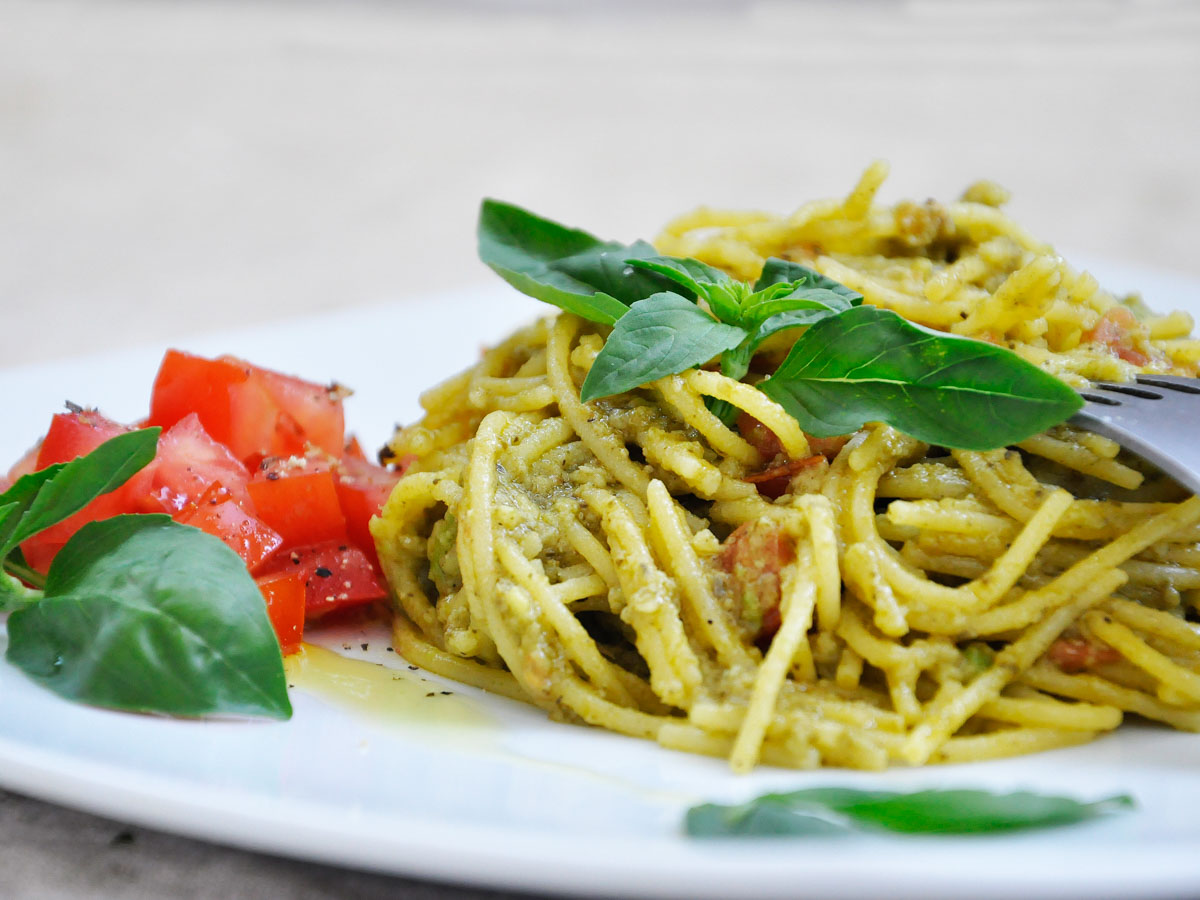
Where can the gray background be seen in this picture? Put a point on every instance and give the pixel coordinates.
(176, 167)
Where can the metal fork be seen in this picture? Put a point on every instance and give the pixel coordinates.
(1157, 417)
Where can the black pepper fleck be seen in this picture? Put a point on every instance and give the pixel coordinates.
(364, 645)
(323, 572)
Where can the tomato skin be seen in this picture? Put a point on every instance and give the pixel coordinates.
(284, 595)
(189, 462)
(301, 505)
(335, 575)
(218, 514)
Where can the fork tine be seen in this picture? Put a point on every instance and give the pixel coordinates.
(1171, 382)
(1154, 418)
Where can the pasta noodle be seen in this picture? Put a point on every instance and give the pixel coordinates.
(894, 604)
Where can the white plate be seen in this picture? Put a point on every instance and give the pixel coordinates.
(471, 788)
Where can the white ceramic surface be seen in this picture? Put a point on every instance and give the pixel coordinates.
(485, 791)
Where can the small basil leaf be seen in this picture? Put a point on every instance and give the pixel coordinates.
(921, 812)
(972, 812)
(565, 267)
(17, 499)
(144, 614)
(870, 365)
(793, 319)
(56, 492)
(661, 335)
(777, 270)
(799, 299)
(721, 291)
(710, 820)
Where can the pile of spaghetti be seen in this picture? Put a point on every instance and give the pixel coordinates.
(635, 564)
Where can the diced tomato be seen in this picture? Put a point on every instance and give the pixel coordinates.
(362, 490)
(773, 482)
(1076, 654)
(71, 435)
(300, 503)
(284, 593)
(759, 436)
(1117, 330)
(253, 411)
(314, 409)
(189, 462)
(336, 576)
(74, 434)
(188, 384)
(219, 514)
(765, 441)
(754, 555)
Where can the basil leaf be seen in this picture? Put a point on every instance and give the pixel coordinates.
(15, 502)
(793, 319)
(722, 292)
(565, 267)
(802, 298)
(776, 271)
(661, 335)
(869, 364)
(47, 497)
(830, 810)
(144, 614)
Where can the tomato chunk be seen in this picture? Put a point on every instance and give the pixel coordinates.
(314, 410)
(284, 594)
(336, 576)
(253, 411)
(189, 462)
(188, 384)
(1076, 654)
(74, 434)
(753, 556)
(217, 513)
(301, 505)
(362, 490)
(773, 482)
(1118, 330)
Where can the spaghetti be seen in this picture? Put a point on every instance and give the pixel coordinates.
(749, 592)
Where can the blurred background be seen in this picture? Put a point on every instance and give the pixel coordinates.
(176, 167)
(169, 169)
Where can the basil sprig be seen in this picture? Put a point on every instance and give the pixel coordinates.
(821, 811)
(852, 364)
(137, 612)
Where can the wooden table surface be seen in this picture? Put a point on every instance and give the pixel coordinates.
(172, 168)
